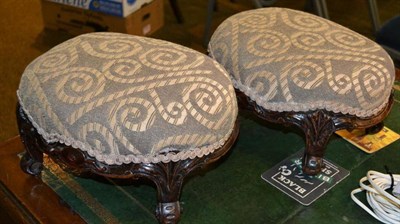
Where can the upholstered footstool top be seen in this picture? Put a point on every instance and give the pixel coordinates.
(288, 60)
(127, 99)
(294, 68)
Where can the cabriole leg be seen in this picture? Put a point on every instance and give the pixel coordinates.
(169, 186)
(318, 128)
(314, 153)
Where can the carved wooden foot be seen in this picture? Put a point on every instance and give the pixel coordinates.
(32, 160)
(374, 129)
(313, 164)
(169, 178)
(318, 127)
(169, 186)
(168, 213)
(30, 165)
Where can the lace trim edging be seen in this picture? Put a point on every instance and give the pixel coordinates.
(126, 159)
(297, 107)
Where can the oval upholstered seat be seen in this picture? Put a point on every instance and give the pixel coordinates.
(288, 60)
(124, 99)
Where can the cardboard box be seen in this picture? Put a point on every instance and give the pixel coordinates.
(121, 8)
(75, 21)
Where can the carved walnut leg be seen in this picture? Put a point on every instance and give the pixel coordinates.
(169, 188)
(318, 128)
(314, 153)
(32, 160)
(169, 178)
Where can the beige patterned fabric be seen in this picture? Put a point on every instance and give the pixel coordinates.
(124, 99)
(288, 60)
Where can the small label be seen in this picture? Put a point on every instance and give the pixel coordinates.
(288, 177)
(369, 143)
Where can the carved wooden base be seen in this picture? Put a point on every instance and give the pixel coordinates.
(168, 177)
(317, 125)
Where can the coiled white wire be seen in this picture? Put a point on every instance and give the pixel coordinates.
(386, 207)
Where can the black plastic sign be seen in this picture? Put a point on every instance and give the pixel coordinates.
(288, 177)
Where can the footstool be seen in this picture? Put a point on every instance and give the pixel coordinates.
(123, 106)
(294, 68)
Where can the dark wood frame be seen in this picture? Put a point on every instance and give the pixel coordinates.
(168, 177)
(317, 125)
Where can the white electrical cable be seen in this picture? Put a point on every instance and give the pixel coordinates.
(385, 207)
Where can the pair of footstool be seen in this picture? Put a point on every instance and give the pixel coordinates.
(124, 106)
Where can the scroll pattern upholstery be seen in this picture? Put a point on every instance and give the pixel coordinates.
(127, 99)
(288, 60)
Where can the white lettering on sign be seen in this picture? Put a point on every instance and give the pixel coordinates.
(285, 171)
(291, 184)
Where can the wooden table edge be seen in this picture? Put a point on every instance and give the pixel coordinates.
(26, 198)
